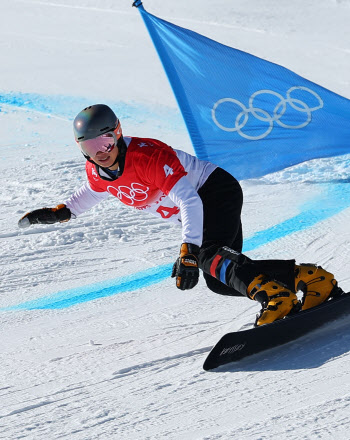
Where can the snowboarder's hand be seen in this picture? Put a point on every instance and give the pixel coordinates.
(185, 269)
(45, 216)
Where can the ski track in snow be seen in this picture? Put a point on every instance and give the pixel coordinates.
(124, 360)
(178, 397)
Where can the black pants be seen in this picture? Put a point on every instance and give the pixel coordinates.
(226, 270)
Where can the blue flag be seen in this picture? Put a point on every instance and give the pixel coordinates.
(247, 115)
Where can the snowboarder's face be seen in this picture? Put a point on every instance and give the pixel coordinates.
(106, 159)
(103, 149)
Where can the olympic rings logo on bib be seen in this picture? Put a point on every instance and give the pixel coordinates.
(127, 195)
(264, 116)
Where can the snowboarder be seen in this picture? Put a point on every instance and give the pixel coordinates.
(149, 175)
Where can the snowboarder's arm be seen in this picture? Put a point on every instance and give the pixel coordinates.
(167, 173)
(187, 199)
(84, 199)
(185, 269)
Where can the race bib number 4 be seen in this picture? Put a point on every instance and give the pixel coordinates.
(166, 212)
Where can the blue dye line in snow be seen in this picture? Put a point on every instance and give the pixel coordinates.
(71, 297)
(333, 199)
(59, 105)
(69, 106)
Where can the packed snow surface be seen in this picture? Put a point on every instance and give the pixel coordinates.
(96, 341)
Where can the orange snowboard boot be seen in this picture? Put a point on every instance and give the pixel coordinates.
(316, 284)
(276, 300)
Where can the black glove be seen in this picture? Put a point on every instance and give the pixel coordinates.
(45, 216)
(185, 268)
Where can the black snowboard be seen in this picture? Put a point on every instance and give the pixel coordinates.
(237, 345)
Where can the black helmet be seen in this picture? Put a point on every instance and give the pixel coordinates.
(94, 121)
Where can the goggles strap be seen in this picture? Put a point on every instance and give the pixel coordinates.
(121, 155)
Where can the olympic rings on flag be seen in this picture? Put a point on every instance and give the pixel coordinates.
(265, 116)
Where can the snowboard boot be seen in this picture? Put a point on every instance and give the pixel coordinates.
(316, 284)
(276, 300)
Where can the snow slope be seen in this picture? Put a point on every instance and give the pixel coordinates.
(96, 341)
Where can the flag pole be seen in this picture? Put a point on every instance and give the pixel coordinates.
(181, 98)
